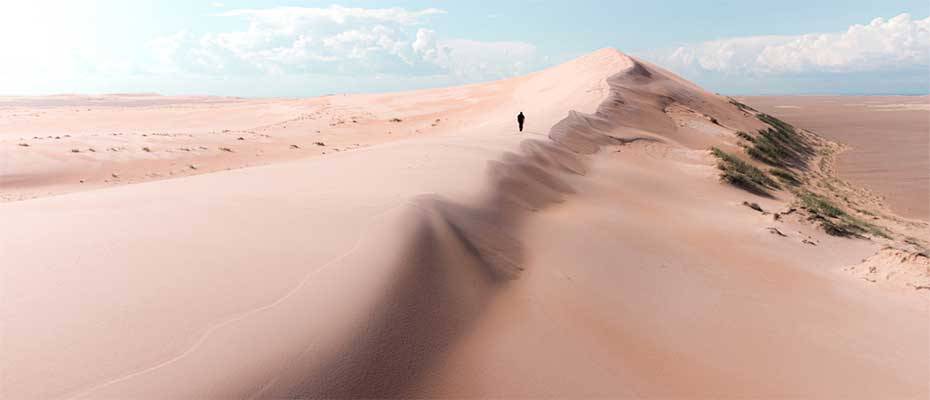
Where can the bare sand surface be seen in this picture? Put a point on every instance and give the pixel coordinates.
(445, 255)
(888, 139)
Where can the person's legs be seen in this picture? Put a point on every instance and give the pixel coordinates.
(521, 126)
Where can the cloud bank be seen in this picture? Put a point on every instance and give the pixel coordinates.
(899, 45)
(302, 51)
(295, 41)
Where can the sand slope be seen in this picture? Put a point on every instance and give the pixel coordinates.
(596, 255)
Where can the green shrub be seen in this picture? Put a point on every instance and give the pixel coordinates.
(741, 106)
(821, 206)
(775, 122)
(834, 220)
(745, 136)
(742, 174)
(785, 176)
(781, 145)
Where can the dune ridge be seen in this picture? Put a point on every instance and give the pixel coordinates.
(588, 264)
(485, 233)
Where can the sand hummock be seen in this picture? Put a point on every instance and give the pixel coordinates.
(416, 245)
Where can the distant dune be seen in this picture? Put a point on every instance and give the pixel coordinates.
(417, 245)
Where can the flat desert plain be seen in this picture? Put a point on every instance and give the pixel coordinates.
(642, 238)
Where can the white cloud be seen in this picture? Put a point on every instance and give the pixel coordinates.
(897, 43)
(165, 50)
(474, 60)
(425, 43)
(470, 60)
(294, 17)
(338, 40)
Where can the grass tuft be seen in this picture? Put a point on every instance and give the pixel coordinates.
(742, 174)
(741, 106)
(745, 136)
(785, 176)
(779, 146)
(834, 220)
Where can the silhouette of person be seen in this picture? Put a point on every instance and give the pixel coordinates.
(520, 119)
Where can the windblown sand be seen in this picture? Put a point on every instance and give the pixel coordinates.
(888, 139)
(426, 249)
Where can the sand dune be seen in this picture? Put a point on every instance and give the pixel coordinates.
(595, 255)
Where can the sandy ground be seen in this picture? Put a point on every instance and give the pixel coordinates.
(445, 255)
(888, 139)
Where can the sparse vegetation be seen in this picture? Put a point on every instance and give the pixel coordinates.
(834, 220)
(817, 204)
(779, 146)
(775, 122)
(745, 136)
(741, 106)
(785, 176)
(787, 150)
(742, 174)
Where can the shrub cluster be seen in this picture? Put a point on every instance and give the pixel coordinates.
(743, 174)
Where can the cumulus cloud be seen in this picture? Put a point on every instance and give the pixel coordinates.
(341, 41)
(425, 43)
(474, 60)
(900, 42)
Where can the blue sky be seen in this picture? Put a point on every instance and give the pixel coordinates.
(306, 48)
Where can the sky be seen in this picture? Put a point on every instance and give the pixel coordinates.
(295, 48)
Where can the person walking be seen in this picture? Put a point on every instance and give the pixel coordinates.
(520, 119)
